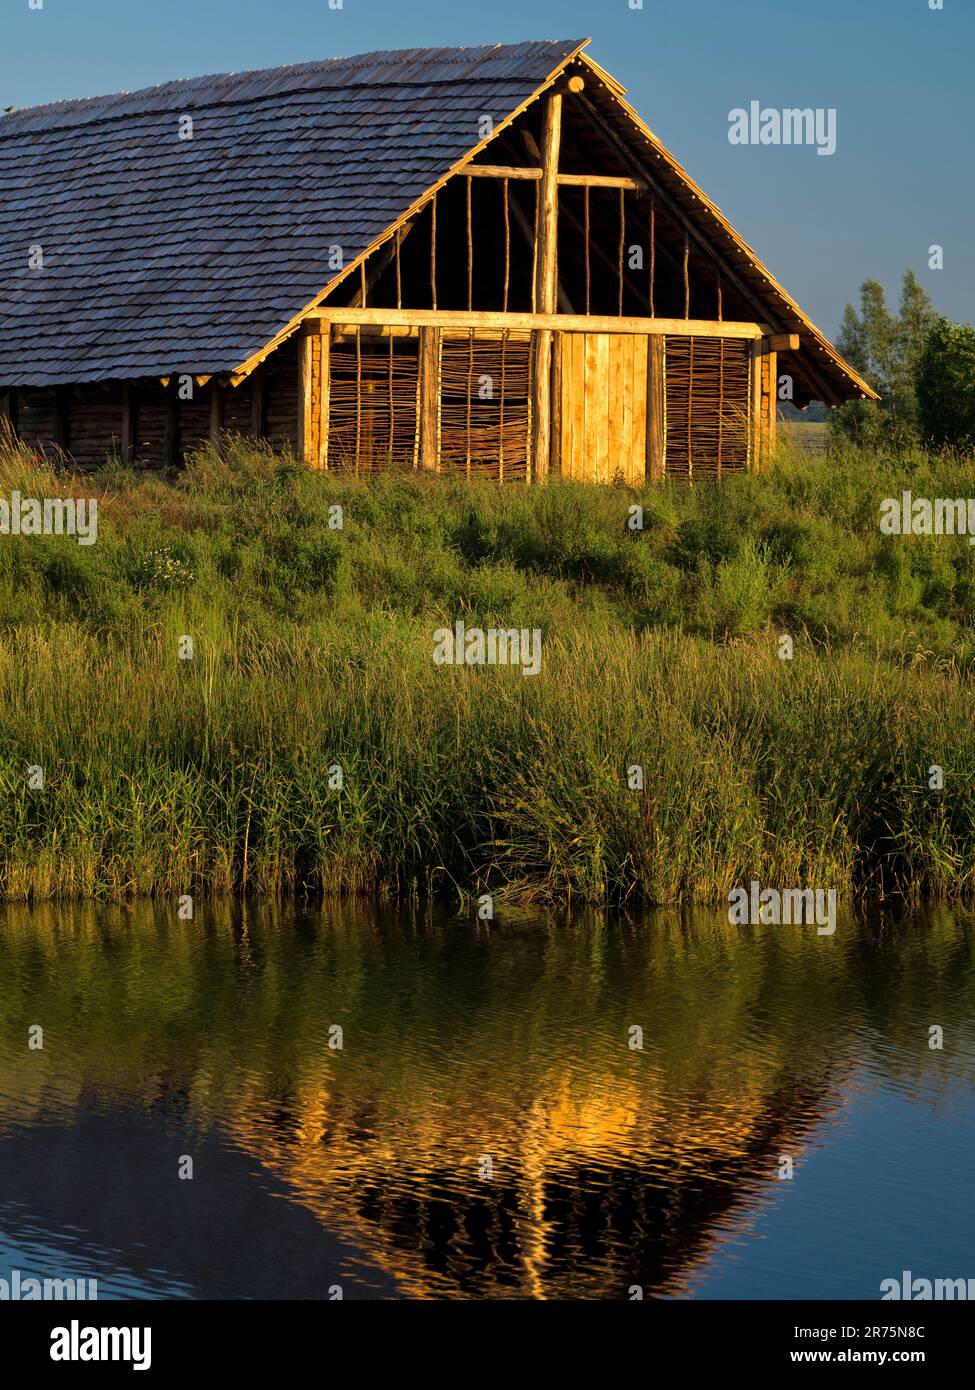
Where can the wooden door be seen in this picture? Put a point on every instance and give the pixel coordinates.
(601, 403)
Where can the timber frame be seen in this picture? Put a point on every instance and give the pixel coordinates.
(555, 333)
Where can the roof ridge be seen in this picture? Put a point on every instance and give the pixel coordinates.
(218, 85)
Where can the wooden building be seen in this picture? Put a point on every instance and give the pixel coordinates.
(475, 261)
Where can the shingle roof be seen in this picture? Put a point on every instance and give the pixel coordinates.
(163, 255)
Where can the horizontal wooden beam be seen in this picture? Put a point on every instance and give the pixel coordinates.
(784, 342)
(501, 171)
(517, 171)
(601, 181)
(316, 319)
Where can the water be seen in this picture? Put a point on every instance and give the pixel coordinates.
(485, 1130)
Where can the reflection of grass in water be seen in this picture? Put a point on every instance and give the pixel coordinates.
(313, 647)
(432, 1019)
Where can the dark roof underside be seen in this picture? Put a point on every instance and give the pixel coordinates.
(164, 255)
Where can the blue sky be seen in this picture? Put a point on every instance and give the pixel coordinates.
(898, 74)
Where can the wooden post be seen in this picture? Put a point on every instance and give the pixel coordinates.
(545, 287)
(216, 411)
(258, 402)
(547, 263)
(305, 452)
(129, 421)
(62, 417)
(656, 407)
(430, 399)
(171, 440)
(323, 395)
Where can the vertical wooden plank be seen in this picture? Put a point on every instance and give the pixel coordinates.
(625, 462)
(597, 392)
(217, 402)
(430, 398)
(687, 279)
(638, 434)
(324, 394)
(555, 461)
(576, 399)
(615, 368)
(258, 402)
(656, 407)
(588, 462)
(171, 440)
(621, 369)
(127, 443)
(584, 465)
(305, 451)
(546, 282)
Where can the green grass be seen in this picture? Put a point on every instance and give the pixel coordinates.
(313, 649)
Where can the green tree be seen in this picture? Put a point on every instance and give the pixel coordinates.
(946, 385)
(885, 349)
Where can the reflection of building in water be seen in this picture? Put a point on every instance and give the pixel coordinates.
(584, 1201)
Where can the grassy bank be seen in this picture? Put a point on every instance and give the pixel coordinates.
(312, 648)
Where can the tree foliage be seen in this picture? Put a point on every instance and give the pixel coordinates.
(885, 348)
(946, 385)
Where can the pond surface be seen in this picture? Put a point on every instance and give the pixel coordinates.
(486, 1129)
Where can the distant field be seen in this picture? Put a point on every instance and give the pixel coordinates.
(810, 436)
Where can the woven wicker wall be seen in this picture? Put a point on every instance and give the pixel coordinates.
(707, 384)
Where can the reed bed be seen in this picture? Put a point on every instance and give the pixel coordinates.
(312, 652)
